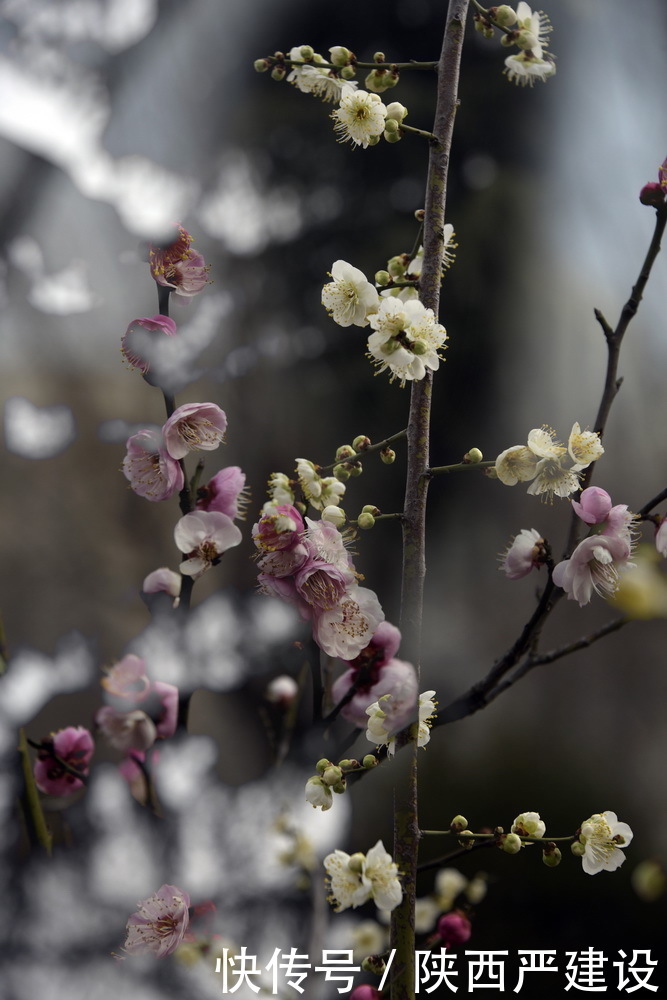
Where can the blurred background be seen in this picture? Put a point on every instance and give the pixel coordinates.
(121, 117)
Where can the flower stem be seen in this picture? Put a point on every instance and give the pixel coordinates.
(438, 470)
(406, 829)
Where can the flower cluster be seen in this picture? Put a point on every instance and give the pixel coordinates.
(160, 923)
(353, 880)
(392, 712)
(319, 491)
(325, 82)
(597, 561)
(375, 672)
(60, 758)
(178, 267)
(551, 469)
(527, 30)
(405, 268)
(139, 710)
(332, 777)
(308, 566)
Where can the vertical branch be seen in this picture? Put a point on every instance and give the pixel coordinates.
(406, 828)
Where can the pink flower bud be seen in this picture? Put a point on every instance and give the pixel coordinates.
(593, 505)
(73, 746)
(365, 992)
(652, 194)
(454, 929)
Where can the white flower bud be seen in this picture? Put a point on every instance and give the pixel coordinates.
(332, 775)
(356, 862)
(340, 56)
(307, 52)
(505, 16)
(334, 515)
(396, 111)
(365, 521)
(318, 794)
(473, 456)
(458, 823)
(511, 843)
(345, 451)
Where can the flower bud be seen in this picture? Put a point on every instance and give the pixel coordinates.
(373, 140)
(348, 764)
(322, 765)
(365, 992)
(318, 793)
(348, 72)
(375, 964)
(419, 346)
(370, 760)
(356, 862)
(551, 856)
(365, 521)
(356, 468)
(340, 56)
(483, 26)
(339, 787)
(332, 775)
(375, 81)
(652, 194)
(420, 214)
(509, 39)
(345, 451)
(370, 508)
(526, 40)
(388, 456)
(382, 277)
(396, 111)
(278, 73)
(392, 136)
(379, 57)
(466, 838)
(473, 456)
(454, 929)
(397, 265)
(307, 52)
(341, 473)
(458, 823)
(578, 849)
(282, 690)
(391, 125)
(511, 843)
(261, 65)
(648, 880)
(361, 442)
(334, 515)
(503, 15)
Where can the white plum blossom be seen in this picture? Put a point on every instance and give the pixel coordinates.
(525, 553)
(524, 69)
(350, 297)
(407, 339)
(203, 537)
(346, 629)
(529, 824)
(517, 464)
(603, 837)
(318, 793)
(360, 119)
(353, 880)
(534, 22)
(318, 80)
(392, 712)
(584, 446)
(544, 462)
(309, 481)
(332, 491)
(449, 882)
(533, 62)
(279, 489)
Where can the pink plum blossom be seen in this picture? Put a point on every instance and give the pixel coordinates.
(151, 471)
(127, 679)
(526, 552)
(73, 746)
(178, 266)
(159, 925)
(224, 492)
(126, 730)
(320, 584)
(194, 427)
(129, 688)
(661, 538)
(279, 527)
(395, 676)
(282, 690)
(139, 337)
(593, 505)
(284, 589)
(594, 565)
(347, 628)
(163, 580)
(203, 537)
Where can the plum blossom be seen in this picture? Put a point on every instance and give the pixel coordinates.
(140, 334)
(529, 824)
(593, 505)
(129, 688)
(319, 793)
(321, 81)
(353, 880)
(392, 712)
(407, 339)
(151, 471)
(345, 629)
(279, 489)
(224, 493)
(320, 584)
(533, 62)
(524, 69)
(593, 566)
(661, 538)
(73, 746)
(360, 119)
(603, 837)
(372, 675)
(126, 730)
(178, 266)
(544, 462)
(160, 924)
(526, 552)
(163, 580)
(194, 427)
(203, 537)
(279, 527)
(584, 446)
(350, 297)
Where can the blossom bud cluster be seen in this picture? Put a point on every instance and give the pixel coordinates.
(387, 716)
(551, 469)
(308, 565)
(527, 30)
(331, 778)
(404, 267)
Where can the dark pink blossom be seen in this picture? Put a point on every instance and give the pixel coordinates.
(454, 929)
(139, 337)
(224, 492)
(280, 527)
(178, 266)
(365, 992)
(159, 925)
(194, 427)
(320, 584)
(151, 471)
(73, 746)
